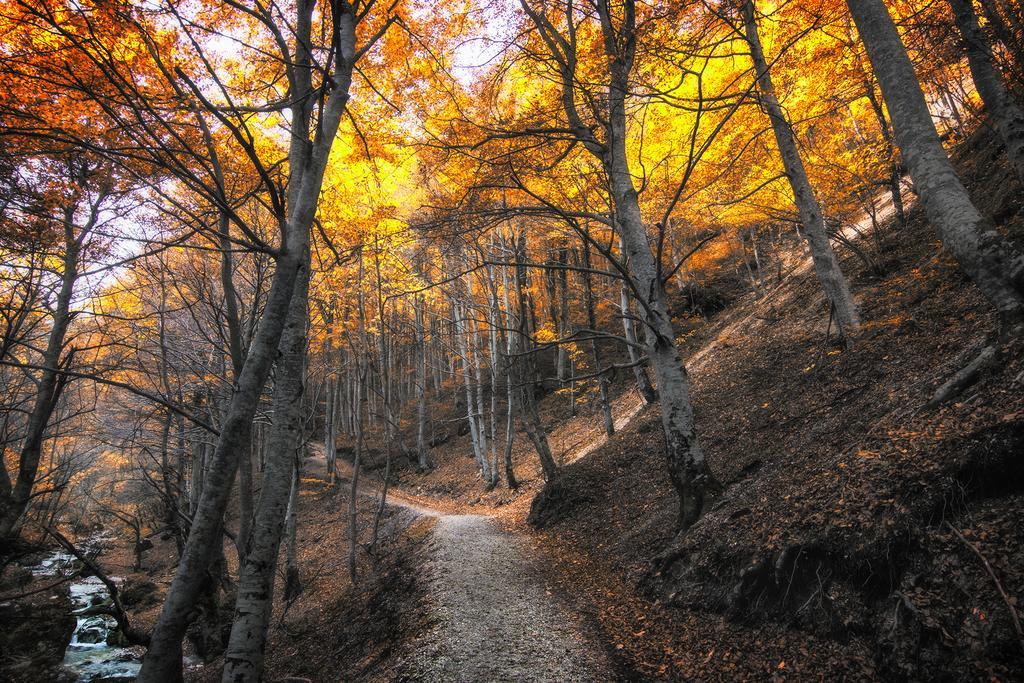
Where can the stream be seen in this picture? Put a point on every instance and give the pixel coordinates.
(88, 655)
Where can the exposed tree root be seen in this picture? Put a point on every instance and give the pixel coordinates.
(965, 377)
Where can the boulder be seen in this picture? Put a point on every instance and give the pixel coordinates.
(138, 593)
(34, 636)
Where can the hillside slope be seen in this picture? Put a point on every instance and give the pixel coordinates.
(860, 532)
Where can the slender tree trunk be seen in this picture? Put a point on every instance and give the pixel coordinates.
(246, 502)
(836, 288)
(987, 258)
(511, 349)
(357, 461)
(1002, 30)
(292, 580)
(167, 483)
(462, 333)
(527, 400)
(493, 323)
(330, 420)
(687, 468)
(643, 382)
(1005, 113)
(895, 172)
(382, 503)
(565, 329)
(595, 349)
(422, 457)
(49, 385)
(481, 414)
(362, 370)
(243, 660)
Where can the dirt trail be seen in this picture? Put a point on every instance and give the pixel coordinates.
(495, 617)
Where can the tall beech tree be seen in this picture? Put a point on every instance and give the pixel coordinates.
(1004, 110)
(984, 254)
(833, 282)
(558, 27)
(316, 97)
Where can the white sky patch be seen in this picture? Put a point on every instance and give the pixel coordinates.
(497, 20)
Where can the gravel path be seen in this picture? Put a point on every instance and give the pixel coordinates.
(495, 618)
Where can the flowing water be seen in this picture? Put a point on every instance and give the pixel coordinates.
(88, 655)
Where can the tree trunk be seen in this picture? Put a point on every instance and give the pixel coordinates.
(167, 484)
(331, 383)
(510, 380)
(1005, 113)
(493, 323)
(836, 288)
(49, 386)
(1002, 30)
(163, 659)
(982, 252)
(162, 663)
(643, 383)
(292, 581)
(359, 386)
(595, 349)
(687, 467)
(481, 414)
(527, 399)
(479, 450)
(246, 503)
(243, 660)
(565, 329)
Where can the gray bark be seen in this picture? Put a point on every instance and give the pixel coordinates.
(461, 333)
(481, 421)
(330, 417)
(687, 468)
(643, 383)
(243, 660)
(307, 162)
(895, 173)
(595, 350)
(1004, 111)
(292, 583)
(834, 284)
(984, 255)
(564, 330)
(493, 323)
(359, 385)
(422, 459)
(525, 379)
(1004, 33)
(511, 349)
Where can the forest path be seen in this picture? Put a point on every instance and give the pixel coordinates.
(496, 617)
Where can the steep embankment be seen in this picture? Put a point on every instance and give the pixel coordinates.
(862, 532)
